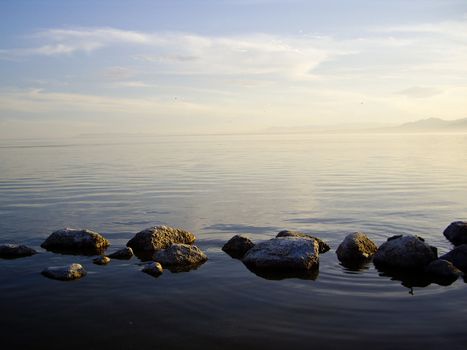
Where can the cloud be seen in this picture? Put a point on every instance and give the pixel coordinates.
(420, 92)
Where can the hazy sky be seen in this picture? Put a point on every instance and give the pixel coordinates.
(71, 67)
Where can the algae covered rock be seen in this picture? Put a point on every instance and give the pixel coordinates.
(65, 273)
(13, 251)
(356, 248)
(180, 257)
(284, 254)
(322, 246)
(237, 246)
(122, 254)
(456, 232)
(101, 260)
(159, 237)
(74, 241)
(153, 268)
(404, 252)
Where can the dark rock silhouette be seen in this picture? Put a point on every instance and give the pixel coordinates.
(76, 241)
(356, 249)
(456, 232)
(122, 254)
(13, 251)
(237, 246)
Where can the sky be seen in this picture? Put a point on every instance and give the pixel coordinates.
(161, 67)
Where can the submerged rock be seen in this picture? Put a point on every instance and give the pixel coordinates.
(159, 237)
(237, 246)
(443, 272)
(458, 257)
(122, 254)
(180, 257)
(284, 254)
(153, 268)
(456, 232)
(65, 273)
(404, 252)
(12, 251)
(101, 260)
(356, 249)
(69, 240)
(323, 246)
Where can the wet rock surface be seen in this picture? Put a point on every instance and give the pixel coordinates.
(75, 241)
(101, 260)
(180, 257)
(122, 254)
(442, 272)
(65, 273)
(153, 268)
(356, 249)
(322, 246)
(237, 246)
(159, 237)
(404, 253)
(283, 254)
(13, 251)
(458, 257)
(456, 232)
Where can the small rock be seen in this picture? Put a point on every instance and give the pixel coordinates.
(323, 246)
(71, 240)
(456, 232)
(458, 257)
(65, 273)
(12, 251)
(180, 257)
(122, 254)
(443, 272)
(101, 260)
(356, 248)
(404, 252)
(159, 237)
(153, 268)
(284, 253)
(237, 246)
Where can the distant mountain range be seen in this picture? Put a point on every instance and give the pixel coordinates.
(433, 124)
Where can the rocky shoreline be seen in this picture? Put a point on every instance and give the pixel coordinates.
(289, 254)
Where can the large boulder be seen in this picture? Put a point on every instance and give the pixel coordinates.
(122, 254)
(404, 253)
(75, 241)
(356, 249)
(458, 257)
(284, 254)
(180, 257)
(322, 246)
(153, 268)
(443, 272)
(13, 251)
(159, 237)
(237, 246)
(65, 273)
(456, 232)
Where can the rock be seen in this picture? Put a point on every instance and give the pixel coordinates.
(404, 252)
(284, 254)
(101, 260)
(159, 237)
(456, 232)
(458, 257)
(237, 246)
(12, 251)
(443, 272)
(355, 249)
(75, 241)
(153, 268)
(180, 257)
(65, 273)
(122, 254)
(323, 247)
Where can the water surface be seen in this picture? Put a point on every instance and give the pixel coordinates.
(218, 186)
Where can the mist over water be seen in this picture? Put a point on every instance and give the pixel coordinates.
(218, 186)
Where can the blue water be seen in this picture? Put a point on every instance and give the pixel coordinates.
(218, 186)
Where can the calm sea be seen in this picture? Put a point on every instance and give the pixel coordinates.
(218, 186)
